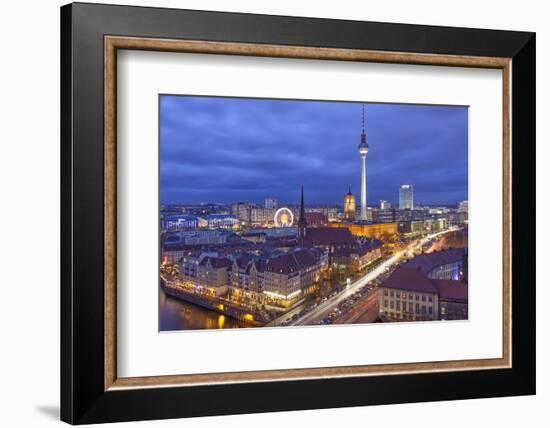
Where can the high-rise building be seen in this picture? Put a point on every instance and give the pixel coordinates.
(349, 206)
(271, 203)
(406, 197)
(385, 205)
(363, 150)
(463, 207)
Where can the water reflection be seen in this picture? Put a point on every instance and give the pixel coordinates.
(176, 314)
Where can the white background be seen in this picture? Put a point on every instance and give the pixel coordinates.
(142, 351)
(29, 173)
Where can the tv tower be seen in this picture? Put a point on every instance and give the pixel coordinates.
(363, 150)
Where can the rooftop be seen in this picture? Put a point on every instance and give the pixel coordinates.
(413, 279)
(329, 236)
(429, 261)
(409, 279)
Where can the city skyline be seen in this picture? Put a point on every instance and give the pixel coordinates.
(224, 150)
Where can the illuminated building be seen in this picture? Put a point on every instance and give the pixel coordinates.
(385, 205)
(212, 273)
(446, 264)
(463, 207)
(411, 229)
(175, 244)
(222, 221)
(286, 277)
(366, 251)
(375, 230)
(408, 294)
(280, 279)
(406, 197)
(271, 203)
(363, 150)
(316, 219)
(383, 216)
(349, 206)
(243, 211)
(262, 216)
(179, 222)
(435, 224)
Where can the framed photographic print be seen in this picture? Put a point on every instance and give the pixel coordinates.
(265, 213)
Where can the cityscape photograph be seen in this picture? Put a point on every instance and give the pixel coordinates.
(285, 213)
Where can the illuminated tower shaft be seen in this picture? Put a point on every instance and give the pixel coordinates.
(363, 186)
(363, 150)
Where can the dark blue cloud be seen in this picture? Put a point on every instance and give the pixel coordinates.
(233, 149)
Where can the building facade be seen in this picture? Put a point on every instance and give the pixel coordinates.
(374, 230)
(384, 216)
(411, 229)
(262, 216)
(243, 211)
(410, 295)
(271, 203)
(222, 221)
(212, 274)
(179, 222)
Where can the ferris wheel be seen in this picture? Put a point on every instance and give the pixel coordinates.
(283, 217)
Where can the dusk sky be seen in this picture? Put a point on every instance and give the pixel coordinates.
(226, 150)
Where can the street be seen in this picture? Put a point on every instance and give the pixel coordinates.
(327, 306)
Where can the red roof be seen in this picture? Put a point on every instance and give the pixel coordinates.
(410, 279)
(290, 262)
(413, 279)
(329, 236)
(452, 290)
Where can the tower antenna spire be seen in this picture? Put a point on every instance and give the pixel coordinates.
(363, 119)
(363, 135)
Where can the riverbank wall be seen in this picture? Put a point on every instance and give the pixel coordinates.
(253, 318)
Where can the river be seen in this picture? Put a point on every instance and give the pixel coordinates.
(176, 314)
